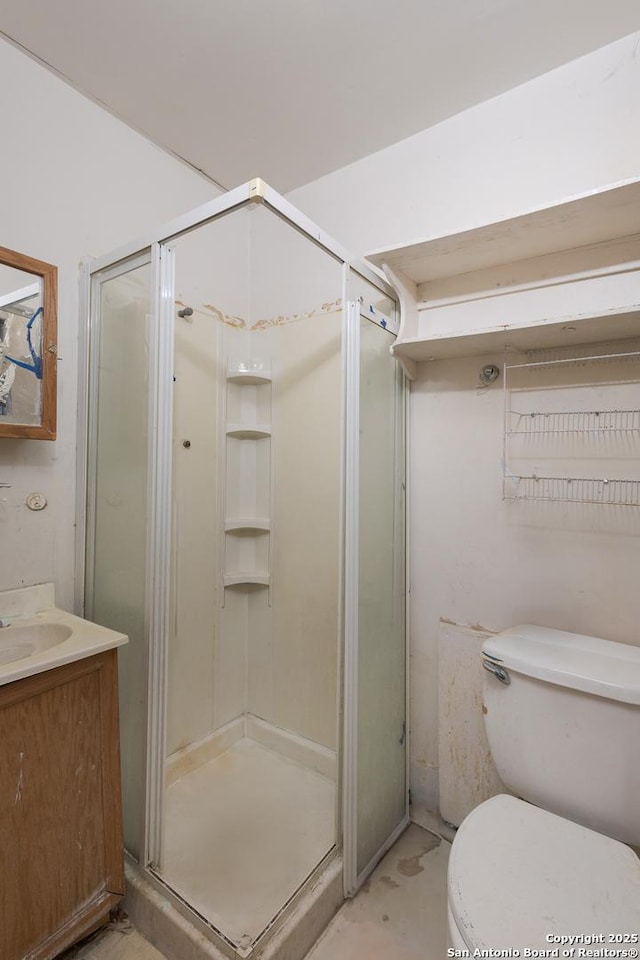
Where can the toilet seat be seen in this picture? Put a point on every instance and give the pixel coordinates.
(519, 876)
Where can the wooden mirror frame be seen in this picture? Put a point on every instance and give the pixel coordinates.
(46, 429)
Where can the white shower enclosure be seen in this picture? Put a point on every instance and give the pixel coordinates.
(245, 517)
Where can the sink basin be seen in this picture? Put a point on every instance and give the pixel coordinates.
(23, 640)
(42, 637)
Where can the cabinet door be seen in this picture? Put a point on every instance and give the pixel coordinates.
(61, 866)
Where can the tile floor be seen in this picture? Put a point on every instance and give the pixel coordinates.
(400, 914)
(242, 832)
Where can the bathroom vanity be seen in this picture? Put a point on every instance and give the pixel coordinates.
(60, 807)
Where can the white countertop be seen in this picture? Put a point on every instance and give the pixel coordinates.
(86, 639)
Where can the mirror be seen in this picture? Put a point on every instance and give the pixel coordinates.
(28, 349)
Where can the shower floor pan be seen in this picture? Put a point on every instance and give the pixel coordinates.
(242, 833)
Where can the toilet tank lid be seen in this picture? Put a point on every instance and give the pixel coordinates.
(595, 666)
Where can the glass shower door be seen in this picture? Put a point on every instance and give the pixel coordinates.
(376, 801)
(117, 503)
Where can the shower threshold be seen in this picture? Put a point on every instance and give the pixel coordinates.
(164, 919)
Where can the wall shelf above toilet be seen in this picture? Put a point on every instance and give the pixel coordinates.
(570, 329)
(573, 453)
(586, 220)
(551, 277)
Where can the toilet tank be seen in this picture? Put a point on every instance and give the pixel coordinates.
(562, 714)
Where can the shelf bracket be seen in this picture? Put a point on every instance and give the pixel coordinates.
(408, 300)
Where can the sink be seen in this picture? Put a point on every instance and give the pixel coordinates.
(41, 636)
(23, 640)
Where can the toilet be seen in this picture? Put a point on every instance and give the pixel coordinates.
(550, 869)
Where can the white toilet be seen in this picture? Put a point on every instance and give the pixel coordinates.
(562, 714)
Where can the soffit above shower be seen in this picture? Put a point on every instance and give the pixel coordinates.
(295, 90)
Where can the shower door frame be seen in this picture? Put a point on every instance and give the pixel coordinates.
(156, 248)
(354, 312)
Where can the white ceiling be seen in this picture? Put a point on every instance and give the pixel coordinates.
(290, 90)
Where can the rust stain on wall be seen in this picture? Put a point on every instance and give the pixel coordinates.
(281, 320)
(239, 323)
(227, 319)
(477, 627)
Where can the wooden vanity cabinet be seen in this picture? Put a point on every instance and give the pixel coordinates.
(61, 854)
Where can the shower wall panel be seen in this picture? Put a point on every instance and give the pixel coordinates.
(296, 322)
(293, 645)
(261, 295)
(207, 666)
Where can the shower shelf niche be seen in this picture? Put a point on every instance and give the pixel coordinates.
(247, 496)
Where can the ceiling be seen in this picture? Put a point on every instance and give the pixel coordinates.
(290, 90)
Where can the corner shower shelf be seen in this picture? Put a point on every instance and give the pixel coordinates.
(239, 579)
(247, 527)
(246, 542)
(248, 379)
(249, 432)
(249, 374)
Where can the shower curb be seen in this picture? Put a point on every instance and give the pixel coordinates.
(175, 936)
(308, 920)
(161, 924)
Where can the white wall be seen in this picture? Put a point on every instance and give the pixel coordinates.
(473, 560)
(481, 561)
(75, 183)
(574, 129)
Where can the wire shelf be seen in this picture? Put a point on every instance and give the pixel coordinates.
(624, 493)
(615, 350)
(620, 426)
(574, 421)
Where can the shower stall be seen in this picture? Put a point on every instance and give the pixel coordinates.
(244, 478)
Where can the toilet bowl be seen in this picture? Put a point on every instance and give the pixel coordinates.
(562, 713)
